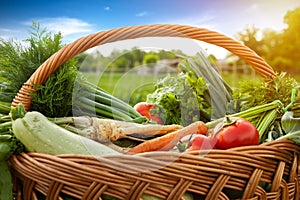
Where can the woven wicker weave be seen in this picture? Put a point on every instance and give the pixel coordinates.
(167, 175)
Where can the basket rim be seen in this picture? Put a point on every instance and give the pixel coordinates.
(224, 174)
(132, 32)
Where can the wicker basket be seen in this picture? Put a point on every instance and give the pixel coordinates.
(167, 175)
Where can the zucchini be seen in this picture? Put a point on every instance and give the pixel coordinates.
(38, 134)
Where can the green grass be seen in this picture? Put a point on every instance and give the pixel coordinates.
(133, 88)
(234, 79)
(129, 87)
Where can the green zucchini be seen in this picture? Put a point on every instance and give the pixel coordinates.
(38, 134)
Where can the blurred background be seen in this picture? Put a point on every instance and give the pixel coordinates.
(269, 27)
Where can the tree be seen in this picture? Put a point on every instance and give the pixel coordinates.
(250, 37)
(280, 49)
(163, 54)
(291, 37)
(121, 63)
(138, 55)
(150, 59)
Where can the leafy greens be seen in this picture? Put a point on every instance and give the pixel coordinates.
(179, 101)
(197, 93)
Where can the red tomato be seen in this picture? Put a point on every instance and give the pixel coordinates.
(237, 132)
(202, 142)
(157, 119)
(144, 109)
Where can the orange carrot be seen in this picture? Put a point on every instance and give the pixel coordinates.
(168, 141)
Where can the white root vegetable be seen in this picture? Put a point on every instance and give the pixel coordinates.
(103, 130)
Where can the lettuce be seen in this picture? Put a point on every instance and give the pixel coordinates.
(182, 99)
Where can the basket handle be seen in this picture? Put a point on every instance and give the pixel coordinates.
(156, 30)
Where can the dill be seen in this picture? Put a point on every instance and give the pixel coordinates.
(19, 61)
(251, 93)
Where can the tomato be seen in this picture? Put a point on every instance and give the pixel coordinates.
(157, 119)
(202, 142)
(144, 109)
(236, 132)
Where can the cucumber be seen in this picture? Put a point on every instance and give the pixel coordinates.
(38, 134)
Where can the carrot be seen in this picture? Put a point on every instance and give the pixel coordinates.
(168, 141)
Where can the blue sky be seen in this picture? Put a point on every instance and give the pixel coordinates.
(78, 18)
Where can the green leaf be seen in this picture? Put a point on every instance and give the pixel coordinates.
(291, 126)
(289, 123)
(182, 98)
(18, 112)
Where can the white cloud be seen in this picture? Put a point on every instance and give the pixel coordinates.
(8, 30)
(107, 8)
(252, 8)
(70, 28)
(7, 33)
(65, 25)
(203, 22)
(266, 14)
(207, 21)
(142, 14)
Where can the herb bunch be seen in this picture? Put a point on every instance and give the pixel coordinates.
(60, 95)
(251, 93)
(18, 62)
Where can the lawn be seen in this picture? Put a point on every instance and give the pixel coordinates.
(132, 87)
